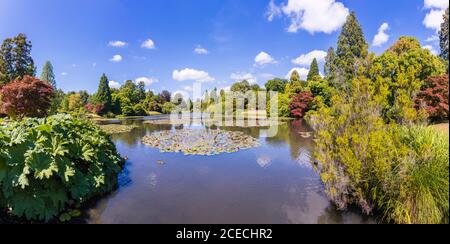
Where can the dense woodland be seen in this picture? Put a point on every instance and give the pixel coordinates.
(370, 114)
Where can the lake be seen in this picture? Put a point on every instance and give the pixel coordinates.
(274, 183)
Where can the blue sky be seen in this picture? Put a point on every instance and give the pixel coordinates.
(214, 42)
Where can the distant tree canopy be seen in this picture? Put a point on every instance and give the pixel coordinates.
(443, 37)
(26, 97)
(398, 75)
(243, 86)
(434, 98)
(313, 70)
(103, 95)
(295, 77)
(301, 104)
(48, 75)
(15, 59)
(329, 67)
(351, 48)
(277, 85)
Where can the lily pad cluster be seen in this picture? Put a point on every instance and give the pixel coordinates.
(117, 128)
(200, 141)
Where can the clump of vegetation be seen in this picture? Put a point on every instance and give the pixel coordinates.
(370, 150)
(116, 128)
(200, 142)
(50, 164)
(434, 98)
(26, 97)
(401, 171)
(301, 104)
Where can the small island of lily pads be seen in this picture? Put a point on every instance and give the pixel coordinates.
(117, 128)
(201, 142)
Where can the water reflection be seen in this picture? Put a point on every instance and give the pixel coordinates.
(273, 183)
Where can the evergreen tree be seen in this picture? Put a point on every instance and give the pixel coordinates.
(206, 97)
(104, 94)
(352, 48)
(15, 59)
(443, 36)
(6, 62)
(329, 67)
(48, 75)
(213, 96)
(140, 91)
(295, 77)
(313, 70)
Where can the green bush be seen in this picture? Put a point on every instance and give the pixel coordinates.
(47, 165)
(400, 171)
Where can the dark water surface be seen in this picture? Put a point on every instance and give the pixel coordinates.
(271, 184)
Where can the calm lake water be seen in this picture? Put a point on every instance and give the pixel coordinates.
(271, 184)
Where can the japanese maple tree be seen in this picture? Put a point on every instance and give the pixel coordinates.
(434, 97)
(26, 97)
(301, 103)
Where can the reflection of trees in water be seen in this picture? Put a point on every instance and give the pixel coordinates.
(133, 137)
(290, 133)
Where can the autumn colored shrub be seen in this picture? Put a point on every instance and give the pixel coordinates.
(95, 108)
(301, 103)
(434, 97)
(27, 97)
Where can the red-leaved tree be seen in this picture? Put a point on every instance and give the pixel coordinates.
(301, 103)
(95, 108)
(434, 97)
(27, 97)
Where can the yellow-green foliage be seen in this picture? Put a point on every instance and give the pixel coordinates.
(398, 75)
(364, 161)
(48, 164)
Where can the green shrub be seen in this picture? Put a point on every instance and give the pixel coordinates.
(49, 164)
(400, 171)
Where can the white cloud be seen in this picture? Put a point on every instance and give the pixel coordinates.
(94, 65)
(116, 58)
(188, 88)
(191, 74)
(303, 72)
(149, 44)
(433, 38)
(431, 48)
(64, 74)
(114, 84)
(148, 81)
(313, 16)
(306, 59)
(440, 4)
(434, 17)
(264, 58)
(272, 11)
(117, 44)
(381, 37)
(240, 76)
(200, 50)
